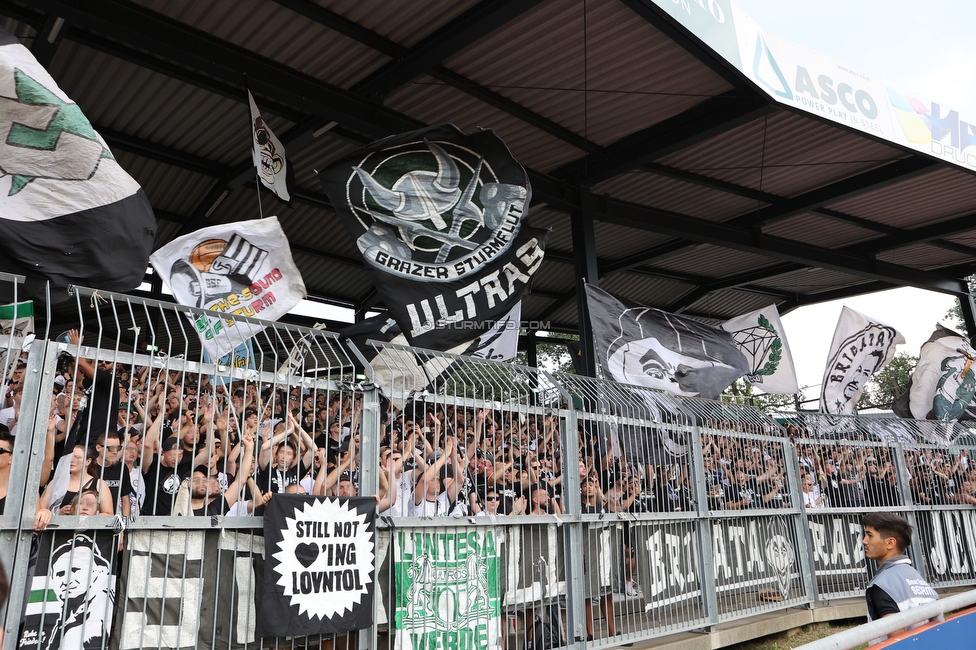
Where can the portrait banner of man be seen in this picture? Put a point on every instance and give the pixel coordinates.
(861, 347)
(72, 592)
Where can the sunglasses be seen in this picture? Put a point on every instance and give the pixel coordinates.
(112, 447)
(491, 498)
(5, 451)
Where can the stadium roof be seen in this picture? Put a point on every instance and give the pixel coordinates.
(662, 166)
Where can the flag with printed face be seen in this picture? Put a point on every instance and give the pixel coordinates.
(269, 155)
(861, 347)
(944, 382)
(439, 218)
(69, 214)
(761, 338)
(242, 268)
(652, 348)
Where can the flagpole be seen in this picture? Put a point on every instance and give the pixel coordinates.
(257, 182)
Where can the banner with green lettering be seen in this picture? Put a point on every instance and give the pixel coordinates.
(448, 589)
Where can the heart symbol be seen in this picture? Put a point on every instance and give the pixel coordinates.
(306, 553)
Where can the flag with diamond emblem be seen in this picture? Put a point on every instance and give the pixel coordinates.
(761, 339)
(68, 212)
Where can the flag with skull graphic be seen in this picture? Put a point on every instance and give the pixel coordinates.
(268, 153)
(438, 217)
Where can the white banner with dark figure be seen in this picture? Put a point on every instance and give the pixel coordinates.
(652, 348)
(439, 218)
(944, 382)
(242, 268)
(274, 172)
(318, 577)
(761, 338)
(71, 598)
(861, 347)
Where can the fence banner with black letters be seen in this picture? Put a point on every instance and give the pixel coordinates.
(438, 216)
(318, 575)
(757, 553)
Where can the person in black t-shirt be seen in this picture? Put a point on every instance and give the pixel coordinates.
(113, 471)
(163, 479)
(205, 495)
(742, 493)
(101, 412)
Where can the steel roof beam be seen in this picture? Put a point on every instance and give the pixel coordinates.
(948, 228)
(834, 294)
(874, 179)
(735, 237)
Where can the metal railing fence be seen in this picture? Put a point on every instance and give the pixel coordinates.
(515, 505)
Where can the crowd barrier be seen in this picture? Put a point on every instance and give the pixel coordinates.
(531, 506)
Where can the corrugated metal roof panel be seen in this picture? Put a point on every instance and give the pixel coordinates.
(323, 277)
(321, 153)
(168, 188)
(134, 100)
(713, 261)
(818, 230)
(653, 292)
(613, 241)
(432, 102)
(924, 199)
(923, 256)
(812, 280)
(729, 303)
(675, 195)
(279, 34)
(634, 75)
(785, 154)
(403, 22)
(560, 234)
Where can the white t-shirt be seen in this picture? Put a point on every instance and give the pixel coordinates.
(404, 501)
(440, 507)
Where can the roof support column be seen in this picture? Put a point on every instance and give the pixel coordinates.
(584, 259)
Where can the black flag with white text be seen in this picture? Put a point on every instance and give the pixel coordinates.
(438, 217)
(318, 571)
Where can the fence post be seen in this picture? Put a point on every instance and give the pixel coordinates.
(576, 623)
(369, 484)
(802, 525)
(25, 472)
(704, 520)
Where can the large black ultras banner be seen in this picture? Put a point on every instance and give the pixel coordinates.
(438, 217)
(318, 572)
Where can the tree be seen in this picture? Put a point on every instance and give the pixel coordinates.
(744, 393)
(954, 317)
(886, 386)
(552, 357)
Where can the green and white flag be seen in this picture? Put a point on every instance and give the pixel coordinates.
(69, 214)
(448, 589)
(761, 338)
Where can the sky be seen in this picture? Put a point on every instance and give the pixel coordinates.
(918, 45)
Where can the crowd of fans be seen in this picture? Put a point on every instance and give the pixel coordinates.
(151, 441)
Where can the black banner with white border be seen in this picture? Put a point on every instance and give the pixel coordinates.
(318, 575)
